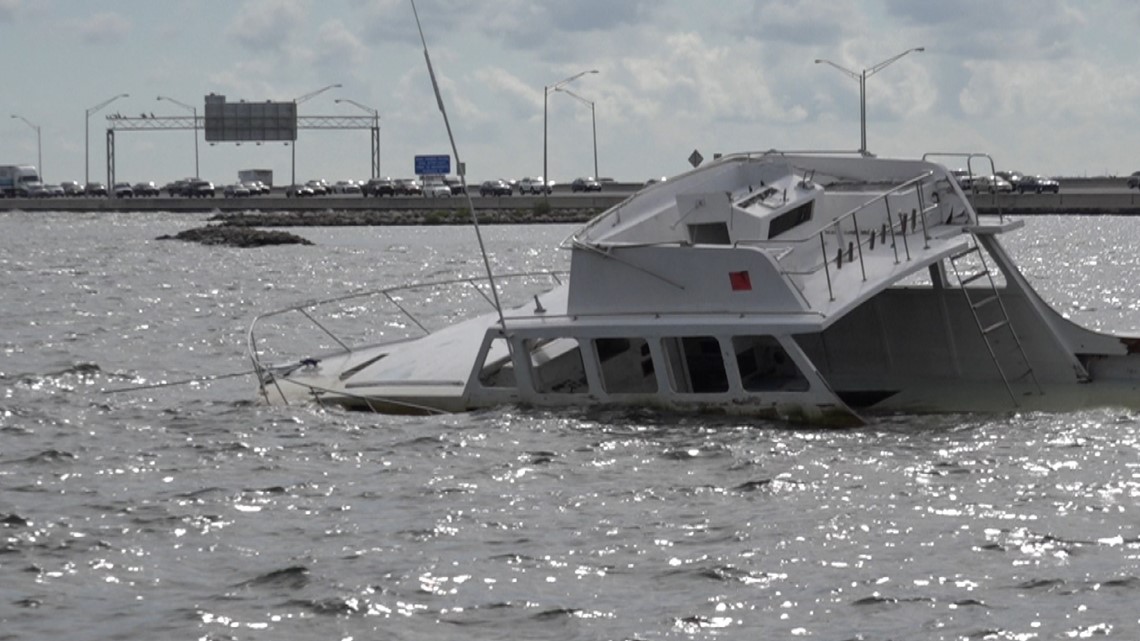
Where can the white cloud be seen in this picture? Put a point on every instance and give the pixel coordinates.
(338, 47)
(1057, 93)
(1025, 83)
(8, 10)
(815, 23)
(251, 80)
(267, 24)
(104, 28)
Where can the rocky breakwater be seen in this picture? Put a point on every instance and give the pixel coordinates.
(237, 236)
(242, 229)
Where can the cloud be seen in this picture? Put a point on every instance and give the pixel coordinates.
(266, 24)
(8, 10)
(816, 23)
(985, 30)
(339, 47)
(1034, 96)
(593, 15)
(691, 77)
(104, 28)
(391, 21)
(247, 80)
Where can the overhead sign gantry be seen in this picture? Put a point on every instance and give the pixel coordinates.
(243, 122)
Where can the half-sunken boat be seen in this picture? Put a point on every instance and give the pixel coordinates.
(810, 287)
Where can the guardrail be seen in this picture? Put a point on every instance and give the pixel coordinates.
(592, 200)
(392, 296)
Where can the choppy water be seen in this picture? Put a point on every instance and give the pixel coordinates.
(188, 512)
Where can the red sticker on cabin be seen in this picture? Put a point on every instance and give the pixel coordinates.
(740, 281)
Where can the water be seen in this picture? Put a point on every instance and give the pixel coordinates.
(190, 512)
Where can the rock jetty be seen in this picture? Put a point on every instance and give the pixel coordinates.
(237, 236)
(240, 229)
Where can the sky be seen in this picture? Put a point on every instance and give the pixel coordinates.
(1043, 86)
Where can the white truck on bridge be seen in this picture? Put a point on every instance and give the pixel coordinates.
(15, 180)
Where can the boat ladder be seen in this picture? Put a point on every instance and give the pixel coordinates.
(991, 317)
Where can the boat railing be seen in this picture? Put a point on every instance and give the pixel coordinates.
(971, 176)
(860, 222)
(394, 299)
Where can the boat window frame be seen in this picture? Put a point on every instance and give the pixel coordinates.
(534, 345)
(646, 355)
(679, 368)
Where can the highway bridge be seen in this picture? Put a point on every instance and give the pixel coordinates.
(1091, 196)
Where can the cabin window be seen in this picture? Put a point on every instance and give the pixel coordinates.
(498, 369)
(765, 366)
(709, 234)
(790, 219)
(626, 365)
(696, 365)
(556, 366)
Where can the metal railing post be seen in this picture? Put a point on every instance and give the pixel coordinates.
(826, 269)
(891, 225)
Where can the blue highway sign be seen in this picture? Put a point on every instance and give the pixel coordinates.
(433, 165)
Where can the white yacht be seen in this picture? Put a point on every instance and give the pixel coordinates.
(809, 287)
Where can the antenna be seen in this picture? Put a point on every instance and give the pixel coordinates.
(462, 175)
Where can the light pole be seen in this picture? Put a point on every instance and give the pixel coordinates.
(593, 121)
(193, 110)
(39, 146)
(545, 100)
(297, 101)
(87, 134)
(861, 78)
(375, 133)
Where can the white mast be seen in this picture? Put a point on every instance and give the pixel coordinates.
(462, 176)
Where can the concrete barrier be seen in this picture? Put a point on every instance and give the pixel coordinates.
(593, 200)
(1087, 202)
(1111, 200)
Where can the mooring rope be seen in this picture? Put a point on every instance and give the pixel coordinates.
(189, 381)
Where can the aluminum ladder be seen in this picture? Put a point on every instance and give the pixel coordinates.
(987, 301)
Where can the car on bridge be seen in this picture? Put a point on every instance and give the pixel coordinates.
(436, 188)
(236, 190)
(346, 188)
(408, 187)
(585, 184)
(455, 183)
(146, 190)
(1037, 185)
(1012, 177)
(533, 186)
(199, 189)
(379, 187)
(993, 184)
(498, 187)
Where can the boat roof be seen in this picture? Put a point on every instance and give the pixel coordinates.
(770, 233)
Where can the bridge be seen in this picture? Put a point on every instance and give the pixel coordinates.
(1093, 196)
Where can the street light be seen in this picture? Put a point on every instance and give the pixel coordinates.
(593, 120)
(545, 100)
(375, 133)
(39, 146)
(297, 101)
(87, 134)
(861, 78)
(194, 110)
